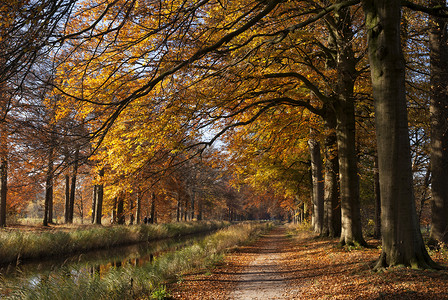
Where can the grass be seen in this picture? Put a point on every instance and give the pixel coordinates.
(21, 245)
(145, 282)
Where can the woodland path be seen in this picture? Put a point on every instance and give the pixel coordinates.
(285, 264)
(255, 271)
(262, 278)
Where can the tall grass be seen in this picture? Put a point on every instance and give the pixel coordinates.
(19, 245)
(145, 282)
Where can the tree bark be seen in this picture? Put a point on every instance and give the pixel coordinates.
(153, 208)
(120, 209)
(99, 199)
(318, 185)
(402, 242)
(376, 188)
(438, 43)
(138, 207)
(73, 188)
(67, 199)
(94, 196)
(49, 190)
(332, 207)
(3, 189)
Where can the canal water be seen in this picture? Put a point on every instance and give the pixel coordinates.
(95, 262)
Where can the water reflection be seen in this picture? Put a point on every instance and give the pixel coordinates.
(97, 262)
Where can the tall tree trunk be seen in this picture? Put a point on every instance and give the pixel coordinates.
(49, 189)
(94, 196)
(3, 190)
(178, 216)
(402, 242)
(153, 208)
(3, 173)
(351, 231)
(99, 199)
(199, 215)
(73, 187)
(138, 207)
(193, 199)
(332, 207)
(318, 185)
(67, 199)
(376, 188)
(438, 43)
(120, 209)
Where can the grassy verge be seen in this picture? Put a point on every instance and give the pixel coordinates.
(20, 245)
(145, 282)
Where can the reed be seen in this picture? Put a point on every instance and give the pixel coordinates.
(144, 282)
(20, 245)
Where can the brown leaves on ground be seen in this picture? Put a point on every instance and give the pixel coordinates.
(316, 268)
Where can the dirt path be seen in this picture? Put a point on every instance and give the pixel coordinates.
(263, 279)
(255, 271)
(308, 268)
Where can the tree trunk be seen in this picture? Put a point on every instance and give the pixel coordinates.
(153, 209)
(73, 188)
(199, 215)
(351, 231)
(3, 174)
(49, 190)
(120, 209)
(402, 242)
(67, 199)
(178, 216)
(94, 196)
(438, 43)
(3, 190)
(138, 207)
(376, 188)
(332, 207)
(318, 186)
(99, 199)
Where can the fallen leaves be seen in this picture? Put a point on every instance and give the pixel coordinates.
(315, 268)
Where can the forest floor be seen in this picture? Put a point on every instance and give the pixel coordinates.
(281, 265)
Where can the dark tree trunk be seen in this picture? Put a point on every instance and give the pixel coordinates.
(3, 190)
(193, 196)
(438, 43)
(351, 231)
(402, 242)
(67, 199)
(94, 196)
(138, 207)
(49, 190)
(178, 216)
(199, 215)
(318, 186)
(99, 200)
(376, 188)
(332, 207)
(120, 209)
(73, 188)
(153, 208)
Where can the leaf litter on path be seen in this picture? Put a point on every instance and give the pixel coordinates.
(307, 267)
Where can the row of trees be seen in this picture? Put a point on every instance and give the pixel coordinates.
(141, 87)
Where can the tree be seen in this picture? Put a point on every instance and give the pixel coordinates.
(438, 43)
(402, 242)
(318, 186)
